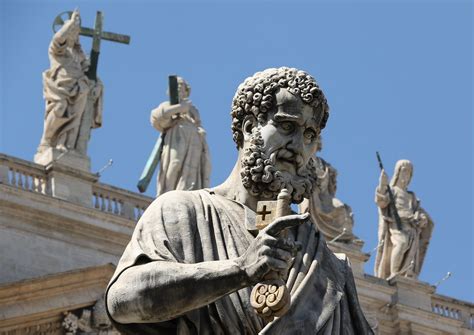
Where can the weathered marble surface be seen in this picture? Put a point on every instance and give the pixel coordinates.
(194, 256)
(73, 101)
(402, 251)
(185, 162)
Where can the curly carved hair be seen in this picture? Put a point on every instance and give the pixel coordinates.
(256, 96)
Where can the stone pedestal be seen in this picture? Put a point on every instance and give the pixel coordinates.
(412, 292)
(69, 158)
(70, 184)
(69, 176)
(355, 254)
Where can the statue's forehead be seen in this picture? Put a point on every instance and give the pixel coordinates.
(291, 107)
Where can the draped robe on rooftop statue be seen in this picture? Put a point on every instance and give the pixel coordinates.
(69, 94)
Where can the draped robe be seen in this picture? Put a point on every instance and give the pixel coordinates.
(199, 226)
(66, 90)
(185, 160)
(414, 238)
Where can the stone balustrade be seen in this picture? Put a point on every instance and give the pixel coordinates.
(106, 216)
(23, 174)
(120, 202)
(28, 176)
(454, 309)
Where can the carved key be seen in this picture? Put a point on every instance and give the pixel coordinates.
(271, 298)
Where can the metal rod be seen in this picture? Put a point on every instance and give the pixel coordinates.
(446, 277)
(105, 167)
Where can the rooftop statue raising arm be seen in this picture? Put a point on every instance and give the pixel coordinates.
(193, 285)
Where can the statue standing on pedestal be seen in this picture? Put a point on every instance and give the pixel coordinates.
(403, 241)
(69, 93)
(185, 162)
(334, 218)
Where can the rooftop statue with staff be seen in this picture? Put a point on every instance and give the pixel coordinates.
(405, 228)
(181, 150)
(71, 88)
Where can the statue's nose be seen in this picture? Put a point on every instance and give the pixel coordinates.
(296, 143)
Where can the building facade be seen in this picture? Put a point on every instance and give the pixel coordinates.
(63, 231)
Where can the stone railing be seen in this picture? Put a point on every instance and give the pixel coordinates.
(118, 201)
(32, 177)
(454, 309)
(23, 174)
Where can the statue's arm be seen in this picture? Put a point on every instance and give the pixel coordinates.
(162, 117)
(382, 198)
(162, 290)
(71, 26)
(419, 215)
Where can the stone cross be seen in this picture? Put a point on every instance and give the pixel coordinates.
(97, 35)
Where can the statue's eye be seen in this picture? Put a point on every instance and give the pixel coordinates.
(310, 134)
(287, 126)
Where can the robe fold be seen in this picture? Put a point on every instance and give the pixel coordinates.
(199, 226)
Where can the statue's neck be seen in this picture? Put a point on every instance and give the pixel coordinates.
(233, 189)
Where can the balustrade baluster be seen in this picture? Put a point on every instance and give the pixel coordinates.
(36, 184)
(11, 176)
(27, 182)
(109, 204)
(96, 200)
(19, 179)
(102, 205)
(116, 206)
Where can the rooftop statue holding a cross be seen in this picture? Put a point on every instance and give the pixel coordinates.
(72, 90)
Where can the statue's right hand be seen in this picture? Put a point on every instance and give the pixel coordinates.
(383, 180)
(270, 252)
(76, 17)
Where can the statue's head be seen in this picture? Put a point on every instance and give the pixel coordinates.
(277, 116)
(403, 174)
(184, 90)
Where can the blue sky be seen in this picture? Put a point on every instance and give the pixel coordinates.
(397, 76)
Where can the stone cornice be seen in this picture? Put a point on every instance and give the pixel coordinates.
(49, 296)
(427, 319)
(41, 214)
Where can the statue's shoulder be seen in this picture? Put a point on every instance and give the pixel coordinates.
(178, 199)
(173, 207)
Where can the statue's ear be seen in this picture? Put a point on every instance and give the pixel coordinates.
(250, 122)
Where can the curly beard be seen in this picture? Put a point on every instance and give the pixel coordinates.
(262, 179)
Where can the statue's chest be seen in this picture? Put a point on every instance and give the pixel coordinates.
(403, 200)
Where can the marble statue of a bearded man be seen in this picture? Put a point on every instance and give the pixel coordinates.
(185, 162)
(401, 251)
(195, 255)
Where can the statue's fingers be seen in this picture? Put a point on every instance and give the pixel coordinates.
(280, 254)
(285, 222)
(287, 244)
